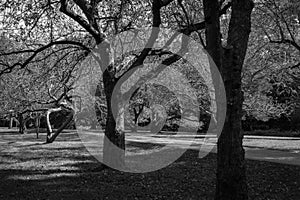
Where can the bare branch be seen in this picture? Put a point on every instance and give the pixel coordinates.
(184, 11)
(36, 52)
(156, 21)
(286, 41)
(80, 20)
(201, 25)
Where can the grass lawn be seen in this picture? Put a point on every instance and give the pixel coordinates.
(31, 170)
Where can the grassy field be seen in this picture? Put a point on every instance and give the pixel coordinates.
(30, 169)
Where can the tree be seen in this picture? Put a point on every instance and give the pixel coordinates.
(272, 59)
(81, 26)
(29, 92)
(231, 168)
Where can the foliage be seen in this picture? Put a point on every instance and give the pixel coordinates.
(272, 63)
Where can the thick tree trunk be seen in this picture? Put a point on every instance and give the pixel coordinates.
(231, 168)
(114, 142)
(231, 173)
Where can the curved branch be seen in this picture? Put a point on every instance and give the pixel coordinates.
(36, 52)
(99, 37)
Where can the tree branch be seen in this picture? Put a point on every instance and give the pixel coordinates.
(81, 21)
(36, 52)
(201, 25)
(286, 41)
(89, 12)
(156, 21)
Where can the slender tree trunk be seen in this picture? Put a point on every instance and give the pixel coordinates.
(11, 120)
(49, 128)
(37, 125)
(214, 48)
(231, 168)
(51, 136)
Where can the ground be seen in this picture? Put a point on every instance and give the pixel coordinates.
(30, 169)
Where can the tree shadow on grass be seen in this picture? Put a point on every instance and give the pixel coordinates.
(187, 178)
(62, 170)
(76, 180)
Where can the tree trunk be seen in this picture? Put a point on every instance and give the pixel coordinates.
(231, 168)
(37, 125)
(51, 136)
(214, 48)
(11, 120)
(231, 173)
(114, 142)
(22, 123)
(49, 128)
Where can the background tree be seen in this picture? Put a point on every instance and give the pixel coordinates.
(272, 63)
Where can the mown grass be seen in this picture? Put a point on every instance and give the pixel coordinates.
(30, 169)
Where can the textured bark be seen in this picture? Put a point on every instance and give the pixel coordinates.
(231, 169)
(231, 173)
(114, 142)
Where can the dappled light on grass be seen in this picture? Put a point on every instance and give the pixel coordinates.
(30, 169)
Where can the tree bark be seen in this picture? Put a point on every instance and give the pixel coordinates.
(231, 168)
(114, 142)
(231, 172)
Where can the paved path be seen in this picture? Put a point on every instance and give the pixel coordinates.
(255, 153)
(254, 145)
